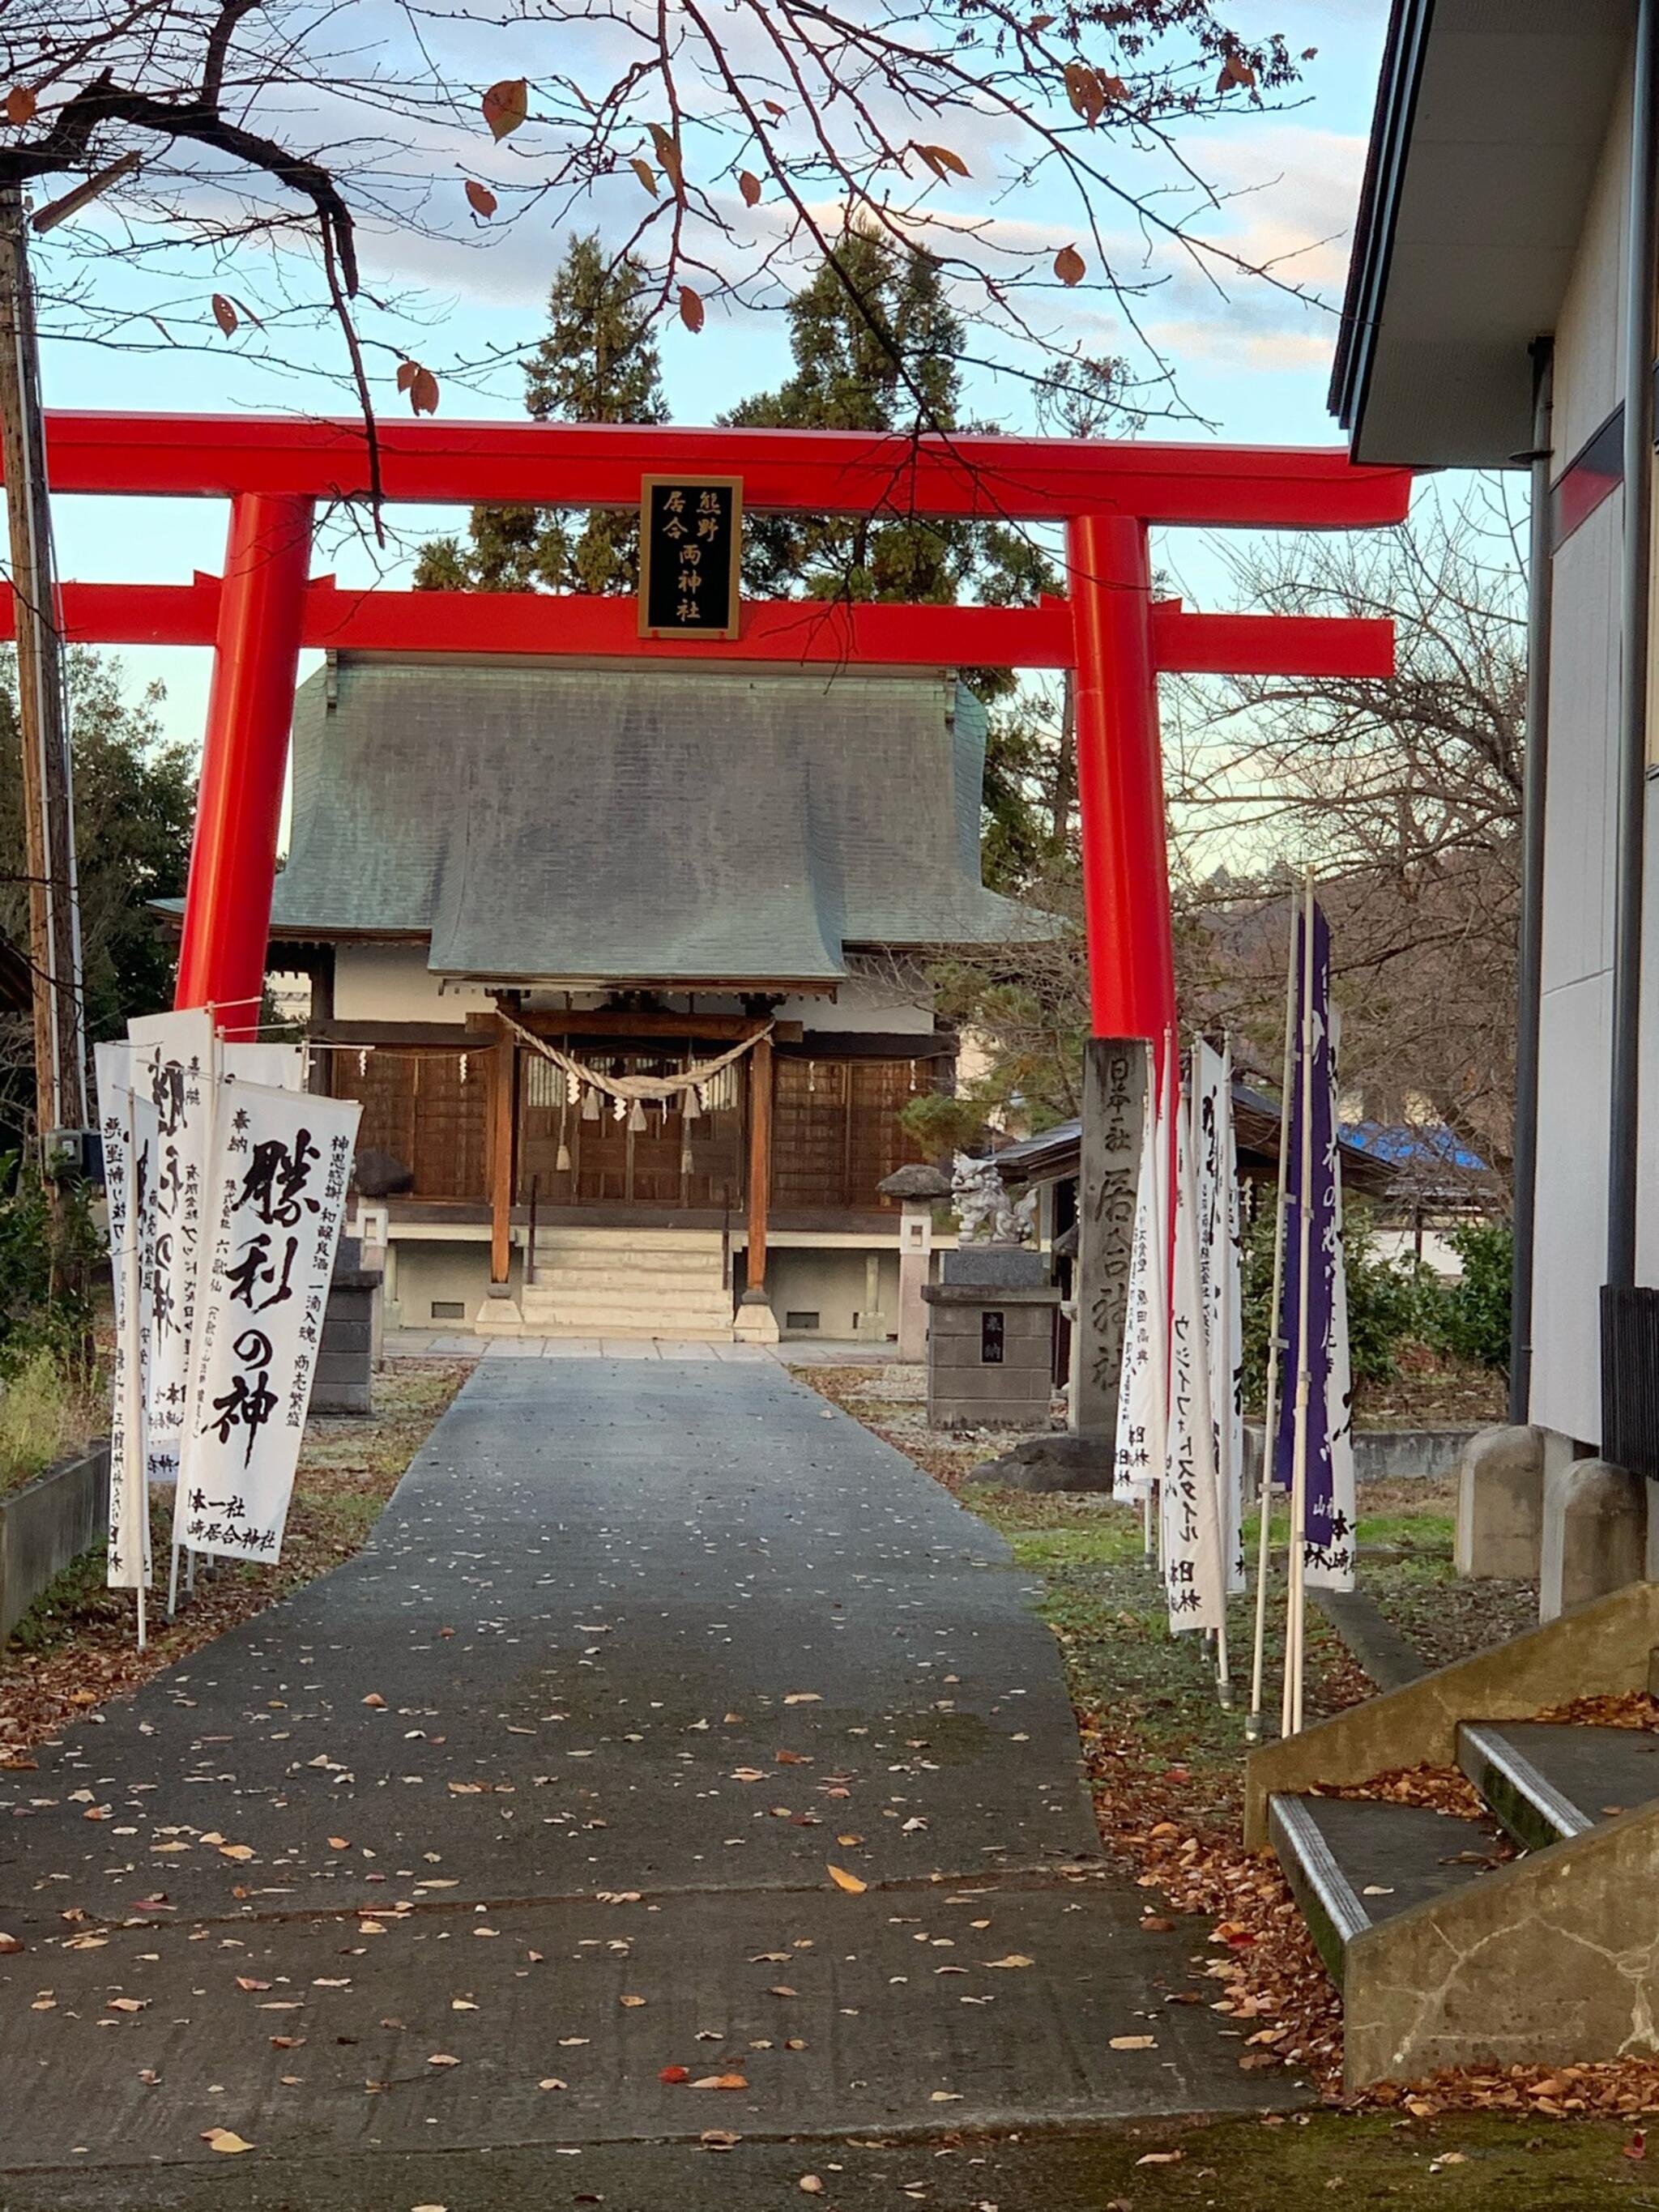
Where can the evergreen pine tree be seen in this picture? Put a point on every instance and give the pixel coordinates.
(876, 346)
(598, 364)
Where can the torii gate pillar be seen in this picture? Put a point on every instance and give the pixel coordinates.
(233, 857)
(1119, 776)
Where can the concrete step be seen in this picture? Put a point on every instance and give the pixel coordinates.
(595, 1267)
(636, 1319)
(1547, 1781)
(1353, 1862)
(629, 1241)
(676, 1332)
(627, 1289)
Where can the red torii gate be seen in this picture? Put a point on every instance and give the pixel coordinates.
(274, 470)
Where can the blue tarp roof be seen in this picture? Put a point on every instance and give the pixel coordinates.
(1401, 1145)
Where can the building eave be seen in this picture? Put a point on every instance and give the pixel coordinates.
(1489, 126)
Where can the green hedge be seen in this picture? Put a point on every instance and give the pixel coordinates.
(1392, 1303)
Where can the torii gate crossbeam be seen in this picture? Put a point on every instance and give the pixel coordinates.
(274, 470)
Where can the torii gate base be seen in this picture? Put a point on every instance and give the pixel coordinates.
(274, 470)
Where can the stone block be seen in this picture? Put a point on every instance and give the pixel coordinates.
(1054, 1462)
(994, 1264)
(340, 1366)
(1595, 1534)
(990, 1386)
(955, 1412)
(345, 1396)
(1500, 1504)
(1548, 1960)
(755, 1322)
(1114, 1103)
(1021, 1354)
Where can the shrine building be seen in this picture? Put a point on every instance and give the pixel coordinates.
(516, 883)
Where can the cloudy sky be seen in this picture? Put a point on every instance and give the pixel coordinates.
(1251, 361)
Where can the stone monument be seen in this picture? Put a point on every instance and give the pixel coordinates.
(991, 1333)
(918, 1189)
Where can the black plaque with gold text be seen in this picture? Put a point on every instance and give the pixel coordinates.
(690, 543)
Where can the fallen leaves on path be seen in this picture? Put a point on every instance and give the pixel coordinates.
(87, 1655)
(225, 2139)
(849, 1883)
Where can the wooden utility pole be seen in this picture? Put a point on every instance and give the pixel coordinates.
(43, 714)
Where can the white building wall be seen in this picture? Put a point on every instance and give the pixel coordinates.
(392, 983)
(1573, 1057)
(1590, 331)
(1581, 837)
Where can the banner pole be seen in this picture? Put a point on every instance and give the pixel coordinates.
(1296, 1605)
(1275, 1344)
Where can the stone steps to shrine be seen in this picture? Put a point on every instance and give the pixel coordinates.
(629, 1282)
(1525, 1931)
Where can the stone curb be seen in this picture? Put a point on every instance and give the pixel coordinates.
(45, 1525)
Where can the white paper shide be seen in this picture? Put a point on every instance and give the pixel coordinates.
(276, 1198)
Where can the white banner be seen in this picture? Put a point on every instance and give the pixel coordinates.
(1144, 1389)
(280, 1066)
(1217, 1168)
(1192, 1559)
(173, 1072)
(1328, 1554)
(277, 1197)
(128, 1564)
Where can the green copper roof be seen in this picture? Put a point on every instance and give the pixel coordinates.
(689, 824)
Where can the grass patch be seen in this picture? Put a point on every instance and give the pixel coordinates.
(47, 1411)
(1466, 2161)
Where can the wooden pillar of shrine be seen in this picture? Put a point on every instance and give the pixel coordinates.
(756, 1320)
(503, 1119)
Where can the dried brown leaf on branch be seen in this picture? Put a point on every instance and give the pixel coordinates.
(691, 311)
(504, 106)
(224, 314)
(21, 104)
(749, 186)
(1069, 265)
(943, 161)
(479, 198)
(1088, 91)
(647, 175)
(668, 156)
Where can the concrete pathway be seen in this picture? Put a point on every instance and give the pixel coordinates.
(539, 1796)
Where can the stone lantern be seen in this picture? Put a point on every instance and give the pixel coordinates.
(918, 1189)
